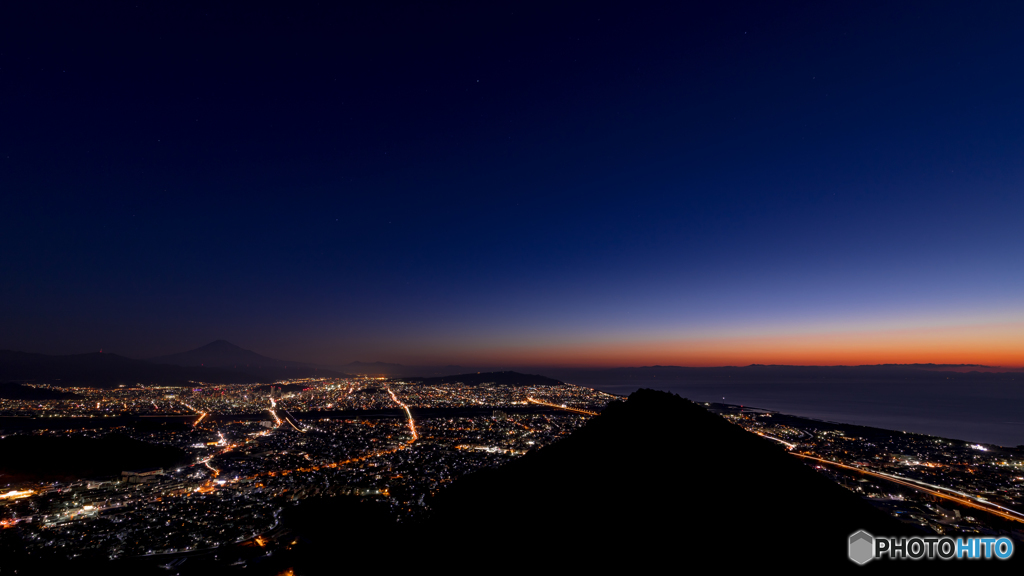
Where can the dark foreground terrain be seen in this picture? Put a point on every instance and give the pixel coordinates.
(653, 483)
(51, 458)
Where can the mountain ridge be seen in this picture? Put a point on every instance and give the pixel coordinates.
(228, 356)
(222, 354)
(105, 370)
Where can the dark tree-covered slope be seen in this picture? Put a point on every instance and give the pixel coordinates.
(15, 391)
(659, 478)
(47, 458)
(653, 482)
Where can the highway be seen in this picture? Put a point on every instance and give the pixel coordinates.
(414, 438)
(292, 421)
(942, 492)
(200, 412)
(412, 423)
(560, 407)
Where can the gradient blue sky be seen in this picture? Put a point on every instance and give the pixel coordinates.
(586, 184)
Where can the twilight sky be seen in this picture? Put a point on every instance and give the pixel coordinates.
(489, 182)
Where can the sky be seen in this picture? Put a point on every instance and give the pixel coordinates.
(576, 184)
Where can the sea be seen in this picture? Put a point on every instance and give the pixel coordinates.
(986, 413)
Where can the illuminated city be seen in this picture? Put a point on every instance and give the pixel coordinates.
(252, 449)
(941, 484)
(318, 288)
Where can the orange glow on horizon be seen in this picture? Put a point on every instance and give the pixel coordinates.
(987, 344)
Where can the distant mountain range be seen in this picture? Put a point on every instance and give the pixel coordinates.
(216, 363)
(781, 374)
(222, 362)
(224, 354)
(227, 356)
(753, 372)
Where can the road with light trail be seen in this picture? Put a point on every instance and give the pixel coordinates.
(930, 489)
(560, 407)
(412, 423)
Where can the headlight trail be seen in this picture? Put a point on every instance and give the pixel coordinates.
(930, 489)
(412, 423)
(558, 407)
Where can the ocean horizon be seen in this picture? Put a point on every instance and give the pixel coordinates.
(982, 412)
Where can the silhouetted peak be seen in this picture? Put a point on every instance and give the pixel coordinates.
(630, 472)
(220, 353)
(222, 345)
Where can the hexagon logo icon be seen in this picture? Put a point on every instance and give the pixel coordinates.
(861, 545)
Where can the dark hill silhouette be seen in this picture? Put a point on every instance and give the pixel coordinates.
(660, 473)
(15, 391)
(72, 458)
(652, 482)
(279, 389)
(506, 378)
